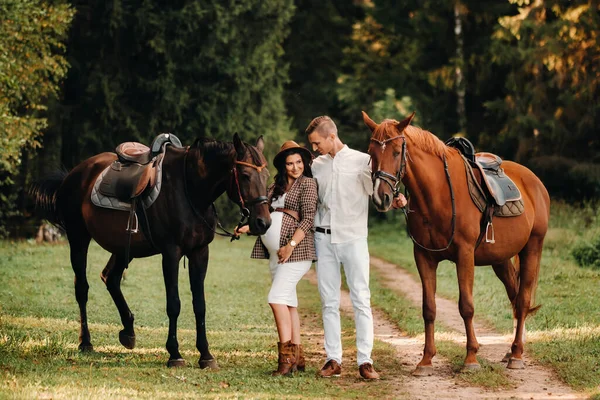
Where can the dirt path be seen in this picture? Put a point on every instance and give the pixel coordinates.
(535, 382)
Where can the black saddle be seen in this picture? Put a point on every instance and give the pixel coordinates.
(134, 172)
(498, 184)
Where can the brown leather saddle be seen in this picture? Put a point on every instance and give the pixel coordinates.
(135, 170)
(492, 191)
(135, 175)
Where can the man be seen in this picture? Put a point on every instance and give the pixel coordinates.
(344, 185)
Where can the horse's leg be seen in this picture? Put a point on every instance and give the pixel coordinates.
(79, 244)
(529, 258)
(427, 271)
(170, 264)
(112, 275)
(509, 275)
(465, 271)
(198, 268)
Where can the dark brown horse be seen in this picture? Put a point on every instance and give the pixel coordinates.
(181, 223)
(435, 177)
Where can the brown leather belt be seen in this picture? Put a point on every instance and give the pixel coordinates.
(291, 213)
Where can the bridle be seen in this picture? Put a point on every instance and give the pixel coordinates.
(244, 204)
(257, 200)
(393, 182)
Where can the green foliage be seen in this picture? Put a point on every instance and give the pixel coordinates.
(314, 50)
(193, 68)
(391, 107)
(566, 178)
(588, 254)
(551, 50)
(32, 66)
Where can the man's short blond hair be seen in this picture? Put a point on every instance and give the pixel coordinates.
(323, 125)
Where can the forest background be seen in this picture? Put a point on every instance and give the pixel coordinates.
(519, 78)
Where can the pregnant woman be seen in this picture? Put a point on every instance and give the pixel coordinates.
(289, 246)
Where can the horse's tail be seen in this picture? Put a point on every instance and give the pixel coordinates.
(44, 193)
(516, 273)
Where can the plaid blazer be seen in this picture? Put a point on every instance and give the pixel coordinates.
(301, 197)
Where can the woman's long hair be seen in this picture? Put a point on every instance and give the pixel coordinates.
(281, 177)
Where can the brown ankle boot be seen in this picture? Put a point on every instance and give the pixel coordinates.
(287, 358)
(300, 361)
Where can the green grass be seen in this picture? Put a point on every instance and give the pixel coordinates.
(39, 330)
(565, 333)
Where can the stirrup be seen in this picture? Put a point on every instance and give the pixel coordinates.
(487, 239)
(129, 228)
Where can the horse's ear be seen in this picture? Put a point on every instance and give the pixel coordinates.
(260, 143)
(238, 144)
(369, 122)
(405, 122)
(196, 144)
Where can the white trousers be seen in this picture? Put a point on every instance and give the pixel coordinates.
(354, 257)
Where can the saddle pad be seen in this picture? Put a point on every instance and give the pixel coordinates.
(509, 209)
(113, 203)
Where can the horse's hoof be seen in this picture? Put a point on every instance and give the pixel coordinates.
(423, 370)
(515, 363)
(176, 363)
(471, 367)
(212, 364)
(507, 357)
(127, 340)
(85, 348)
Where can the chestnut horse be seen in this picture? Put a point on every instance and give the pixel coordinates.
(444, 224)
(181, 223)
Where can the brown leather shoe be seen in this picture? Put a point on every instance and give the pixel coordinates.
(331, 368)
(368, 372)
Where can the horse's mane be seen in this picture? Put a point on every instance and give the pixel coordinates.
(213, 149)
(422, 139)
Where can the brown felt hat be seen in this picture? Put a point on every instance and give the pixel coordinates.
(292, 147)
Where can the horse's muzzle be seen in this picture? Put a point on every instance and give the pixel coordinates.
(260, 225)
(382, 199)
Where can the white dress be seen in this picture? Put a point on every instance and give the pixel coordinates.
(286, 276)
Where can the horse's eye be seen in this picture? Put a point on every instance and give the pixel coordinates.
(396, 154)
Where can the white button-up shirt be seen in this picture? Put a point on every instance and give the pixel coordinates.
(345, 185)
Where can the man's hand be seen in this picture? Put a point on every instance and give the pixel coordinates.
(399, 201)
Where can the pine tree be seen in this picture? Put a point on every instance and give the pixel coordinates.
(193, 68)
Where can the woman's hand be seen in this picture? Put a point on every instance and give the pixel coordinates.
(242, 229)
(284, 253)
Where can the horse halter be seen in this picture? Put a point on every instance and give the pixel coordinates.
(388, 178)
(243, 210)
(247, 203)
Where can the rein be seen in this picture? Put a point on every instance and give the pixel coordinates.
(393, 182)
